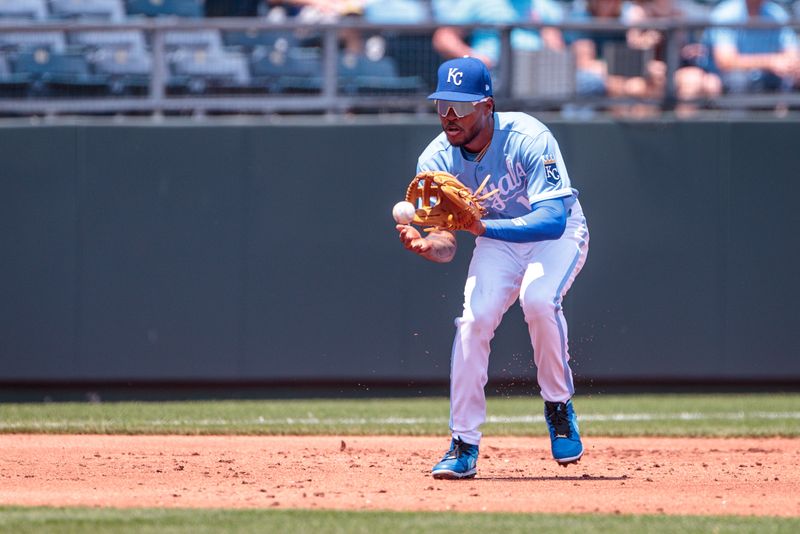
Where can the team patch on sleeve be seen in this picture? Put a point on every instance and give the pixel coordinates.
(551, 170)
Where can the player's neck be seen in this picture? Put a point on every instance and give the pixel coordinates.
(481, 143)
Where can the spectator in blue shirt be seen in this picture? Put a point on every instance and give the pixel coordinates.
(753, 60)
(692, 81)
(395, 11)
(312, 12)
(593, 77)
(452, 42)
(542, 11)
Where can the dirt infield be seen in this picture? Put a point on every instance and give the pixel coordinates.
(617, 475)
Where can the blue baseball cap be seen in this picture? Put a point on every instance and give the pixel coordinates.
(464, 79)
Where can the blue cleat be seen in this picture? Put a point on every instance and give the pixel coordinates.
(459, 462)
(565, 442)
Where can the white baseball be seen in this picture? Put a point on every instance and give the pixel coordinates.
(403, 212)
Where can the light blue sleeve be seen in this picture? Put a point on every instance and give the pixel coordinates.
(472, 11)
(486, 42)
(448, 12)
(492, 11)
(544, 11)
(548, 11)
(395, 12)
(625, 14)
(788, 37)
(723, 14)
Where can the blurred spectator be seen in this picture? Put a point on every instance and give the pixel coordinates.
(692, 81)
(396, 11)
(485, 45)
(542, 11)
(754, 60)
(453, 42)
(314, 11)
(321, 11)
(412, 52)
(593, 76)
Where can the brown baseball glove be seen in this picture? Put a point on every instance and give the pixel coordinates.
(446, 203)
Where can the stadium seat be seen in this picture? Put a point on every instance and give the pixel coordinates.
(200, 71)
(123, 39)
(105, 10)
(208, 40)
(18, 41)
(296, 70)
(414, 55)
(43, 62)
(58, 73)
(199, 63)
(23, 9)
(27, 10)
(248, 40)
(127, 70)
(158, 8)
(360, 74)
(11, 83)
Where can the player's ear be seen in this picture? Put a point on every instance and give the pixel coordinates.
(490, 106)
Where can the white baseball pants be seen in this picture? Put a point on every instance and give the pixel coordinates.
(539, 274)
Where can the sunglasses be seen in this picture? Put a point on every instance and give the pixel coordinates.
(461, 109)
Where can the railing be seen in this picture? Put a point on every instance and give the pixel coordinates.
(163, 90)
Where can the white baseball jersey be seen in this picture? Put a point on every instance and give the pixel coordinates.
(523, 160)
(526, 166)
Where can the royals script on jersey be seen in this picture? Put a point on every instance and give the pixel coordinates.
(524, 162)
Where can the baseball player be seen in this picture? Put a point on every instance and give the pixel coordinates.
(531, 245)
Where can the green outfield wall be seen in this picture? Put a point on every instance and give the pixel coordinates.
(218, 251)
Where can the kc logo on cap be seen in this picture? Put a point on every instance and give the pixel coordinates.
(464, 79)
(455, 75)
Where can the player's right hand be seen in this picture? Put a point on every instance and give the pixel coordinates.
(412, 240)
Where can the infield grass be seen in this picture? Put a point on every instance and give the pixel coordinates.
(91, 521)
(730, 415)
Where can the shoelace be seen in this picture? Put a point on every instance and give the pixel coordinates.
(557, 413)
(455, 451)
